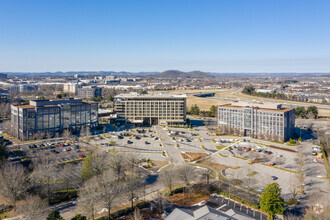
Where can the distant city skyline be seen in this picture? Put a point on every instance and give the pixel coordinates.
(153, 36)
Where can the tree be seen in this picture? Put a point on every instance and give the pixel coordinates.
(109, 190)
(213, 110)
(168, 178)
(89, 197)
(118, 164)
(86, 168)
(132, 186)
(79, 217)
(159, 202)
(194, 110)
(67, 176)
(300, 111)
(186, 174)
(313, 110)
(3, 152)
(44, 174)
(207, 174)
(33, 207)
(54, 215)
(300, 160)
(14, 183)
(271, 201)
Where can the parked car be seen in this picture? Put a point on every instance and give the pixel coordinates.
(273, 177)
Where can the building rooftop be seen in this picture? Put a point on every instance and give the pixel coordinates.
(158, 95)
(53, 103)
(259, 105)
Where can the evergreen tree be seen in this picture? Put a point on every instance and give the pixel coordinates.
(271, 201)
(54, 215)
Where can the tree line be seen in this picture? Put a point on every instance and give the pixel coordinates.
(194, 110)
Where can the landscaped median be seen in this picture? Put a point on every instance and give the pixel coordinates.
(326, 164)
(70, 161)
(279, 168)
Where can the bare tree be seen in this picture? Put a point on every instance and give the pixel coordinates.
(159, 202)
(168, 178)
(300, 160)
(137, 215)
(100, 163)
(33, 207)
(14, 182)
(118, 164)
(109, 190)
(67, 134)
(186, 174)
(206, 175)
(132, 185)
(44, 174)
(67, 176)
(89, 197)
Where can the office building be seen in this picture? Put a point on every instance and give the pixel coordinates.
(42, 117)
(4, 96)
(23, 87)
(70, 88)
(268, 121)
(151, 109)
(3, 76)
(88, 92)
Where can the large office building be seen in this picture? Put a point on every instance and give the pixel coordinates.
(88, 92)
(42, 117)
(268, 121)
(70, 88)
(151, 109)
(23, 88)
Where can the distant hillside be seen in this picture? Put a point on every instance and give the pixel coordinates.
(180, 74)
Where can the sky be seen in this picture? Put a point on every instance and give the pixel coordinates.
(223, 36)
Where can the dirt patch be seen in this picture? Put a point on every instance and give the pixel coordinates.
(193, 156)
(155, 165)
(185, 200)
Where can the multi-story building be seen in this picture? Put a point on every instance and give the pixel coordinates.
(4, 96)
(3, 76)
(269, 121)
(23, 88)
(87, 92)
(43, 117)
(151, 109)
(70, 88)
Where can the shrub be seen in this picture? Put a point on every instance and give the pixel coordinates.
(79, 217)
(177, 190)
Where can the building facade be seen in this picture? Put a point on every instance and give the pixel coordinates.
(43, 117)
(70, 88)
(88, 92)
(4, 96)
(268, 121)
(3, 76)
(151, 109)
(23, 88)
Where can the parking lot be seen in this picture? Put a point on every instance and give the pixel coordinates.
(223, 204)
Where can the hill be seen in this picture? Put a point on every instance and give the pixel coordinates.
(179, 74)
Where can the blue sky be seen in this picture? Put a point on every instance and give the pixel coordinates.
(156, 35)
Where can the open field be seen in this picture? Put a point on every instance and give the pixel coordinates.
(206, 103)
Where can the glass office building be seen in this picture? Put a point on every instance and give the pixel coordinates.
(44, 117)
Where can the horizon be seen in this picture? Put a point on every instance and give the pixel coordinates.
(144, 36)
